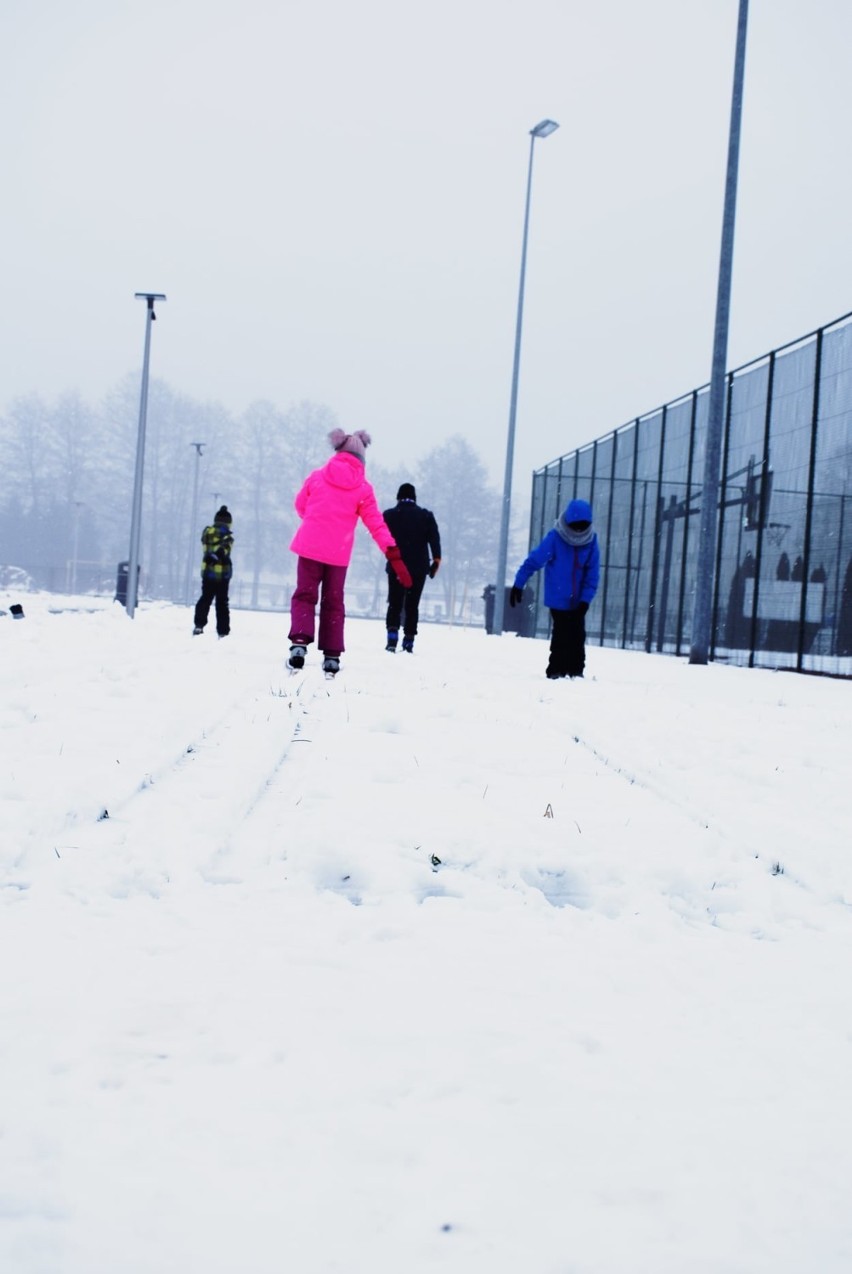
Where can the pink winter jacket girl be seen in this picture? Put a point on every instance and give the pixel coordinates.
(330, 502)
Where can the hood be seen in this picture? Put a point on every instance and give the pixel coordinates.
(578, 511)
(344, 470)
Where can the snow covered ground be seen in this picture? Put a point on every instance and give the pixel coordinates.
(440, 966)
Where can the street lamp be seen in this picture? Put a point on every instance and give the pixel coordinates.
(78, 504)
(136, 517)
(198, 455)
(543, 129)
(704, 570)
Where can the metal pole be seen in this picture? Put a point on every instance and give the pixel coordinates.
(136, 516)
(544, 129)
(78, 504)
(198, 455)
(701, 616)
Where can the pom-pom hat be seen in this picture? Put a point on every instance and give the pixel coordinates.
(355, 444)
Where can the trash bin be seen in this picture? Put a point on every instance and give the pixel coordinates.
(121, 578)
(516, 619)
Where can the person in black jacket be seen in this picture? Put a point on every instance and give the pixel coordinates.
(416, 532)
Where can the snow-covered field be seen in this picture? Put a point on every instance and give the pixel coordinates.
(440, 966)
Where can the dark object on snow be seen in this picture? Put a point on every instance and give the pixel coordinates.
(17, 610)
(121, 578)
(518, 619)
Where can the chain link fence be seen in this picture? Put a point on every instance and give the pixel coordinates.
(783, 566)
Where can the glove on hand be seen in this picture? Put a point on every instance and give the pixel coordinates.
(433, 569)
(516, 596)
(582, 607)
(398, 567)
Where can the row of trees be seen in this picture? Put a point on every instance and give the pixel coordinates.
(66, 499)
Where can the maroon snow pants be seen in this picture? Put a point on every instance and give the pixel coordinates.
(318, 580)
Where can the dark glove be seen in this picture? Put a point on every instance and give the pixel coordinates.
(398, 567)
(582, 607)
(516, 596)
(433, 569)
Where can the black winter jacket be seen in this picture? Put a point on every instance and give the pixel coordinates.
(416, 533)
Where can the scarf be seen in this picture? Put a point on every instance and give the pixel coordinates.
(575, 538)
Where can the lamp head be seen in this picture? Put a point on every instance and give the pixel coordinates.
(545, 128)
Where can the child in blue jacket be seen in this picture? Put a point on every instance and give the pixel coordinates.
(571, 559)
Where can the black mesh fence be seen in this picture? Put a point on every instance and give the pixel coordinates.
(783, 567)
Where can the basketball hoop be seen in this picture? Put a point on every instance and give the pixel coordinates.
(775, 533)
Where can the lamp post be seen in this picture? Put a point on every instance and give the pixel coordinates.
(701, 616)
(78, 504)
(198, 455)
(136, 515)
(543, 129)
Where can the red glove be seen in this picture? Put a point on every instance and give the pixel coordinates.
(398, 567)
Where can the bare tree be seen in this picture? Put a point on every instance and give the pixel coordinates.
(452, 482)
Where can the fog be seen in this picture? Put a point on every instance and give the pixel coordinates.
(331, 196)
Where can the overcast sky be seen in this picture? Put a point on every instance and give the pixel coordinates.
(331, 194)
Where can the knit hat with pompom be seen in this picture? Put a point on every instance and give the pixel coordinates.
(356, 444)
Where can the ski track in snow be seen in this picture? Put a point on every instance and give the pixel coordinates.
(430, 798)
(208, 782)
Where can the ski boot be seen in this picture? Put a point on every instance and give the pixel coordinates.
(297, 657)
(408, 645)
(393, 638)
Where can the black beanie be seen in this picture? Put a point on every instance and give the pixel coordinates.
(223, 515)
(406, 492)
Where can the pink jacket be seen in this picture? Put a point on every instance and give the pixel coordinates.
(331, 501)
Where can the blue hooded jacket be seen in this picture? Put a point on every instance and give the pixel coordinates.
(571, 572)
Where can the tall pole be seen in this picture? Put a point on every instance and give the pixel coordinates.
(198, 455)
(705, 567)
(78, 504)
(136, 516)
(544, 129)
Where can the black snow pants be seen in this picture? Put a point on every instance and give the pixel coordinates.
(210, 589)
(567, 644)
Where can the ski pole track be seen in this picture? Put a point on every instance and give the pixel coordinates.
(139, 827)
(644, 780)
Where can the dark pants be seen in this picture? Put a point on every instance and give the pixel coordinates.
(407, 599)
(312, 576)
(567, 644)
(214, 589)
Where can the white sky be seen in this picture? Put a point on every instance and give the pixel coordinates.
(246, 1025)
(331, 195)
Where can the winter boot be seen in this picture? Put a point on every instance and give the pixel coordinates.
(196, 632)
(331, 665)
(297, 656)
(408, 645)
(393, 638)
